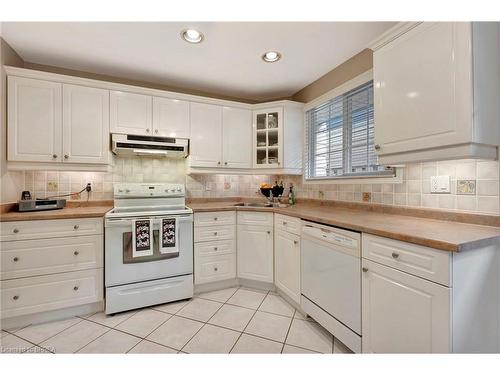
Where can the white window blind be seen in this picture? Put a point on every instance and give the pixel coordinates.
(339, 137)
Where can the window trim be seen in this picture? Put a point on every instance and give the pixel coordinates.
(355, 82)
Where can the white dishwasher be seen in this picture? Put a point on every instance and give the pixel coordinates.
(331, 280)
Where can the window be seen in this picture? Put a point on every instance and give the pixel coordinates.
(339, 136)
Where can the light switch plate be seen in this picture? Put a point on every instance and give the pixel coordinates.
(440, 184)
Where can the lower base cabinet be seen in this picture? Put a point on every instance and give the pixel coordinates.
(287, 263)
(403, 313)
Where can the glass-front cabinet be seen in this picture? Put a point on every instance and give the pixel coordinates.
(267, 138)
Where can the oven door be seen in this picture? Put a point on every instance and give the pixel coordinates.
(122, 268)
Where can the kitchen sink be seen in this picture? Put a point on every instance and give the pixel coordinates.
(253, 205)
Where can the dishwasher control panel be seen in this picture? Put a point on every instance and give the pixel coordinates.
(332, 235)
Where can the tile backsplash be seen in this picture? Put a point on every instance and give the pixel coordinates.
(413, 191)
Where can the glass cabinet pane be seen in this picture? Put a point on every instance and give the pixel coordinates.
(261, 121)
(272, 120)
(272, 156)
(261, 139)
(272, 138)
(261, 157)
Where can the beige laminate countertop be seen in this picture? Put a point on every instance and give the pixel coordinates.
(69, 212)
(438, 234)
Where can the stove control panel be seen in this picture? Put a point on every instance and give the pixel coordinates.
(143, 190)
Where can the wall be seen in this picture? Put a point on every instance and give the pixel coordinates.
(10, 182)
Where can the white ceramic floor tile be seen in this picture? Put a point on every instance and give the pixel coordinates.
(13, 344)
(172, 307)
(247, 298)
(41, 332)
(111, 342)
(252, 344)
(219, 295)
(233, 317)
(148, 347)
(310, 335)
(3, 333)
(289, 349)
(271, 326)
(340, 348)
(143, 323)
(277, 305)
(75, 337)
(175, 332)
(200, 309)
(111, 320)
(211, 339)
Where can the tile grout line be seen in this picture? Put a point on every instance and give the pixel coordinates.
(205, 323)
(255, 312)
(288, 331)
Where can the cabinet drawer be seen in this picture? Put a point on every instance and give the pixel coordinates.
(214, 268)
(35, 229)
(53, 255)
(214, 248)
(255, 218)
(214, 233)
(417, 260)
(287, 223)
(43, 293)
(202, 219)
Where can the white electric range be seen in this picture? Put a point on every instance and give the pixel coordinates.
(133, 282)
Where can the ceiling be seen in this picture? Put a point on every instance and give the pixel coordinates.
(227, 62)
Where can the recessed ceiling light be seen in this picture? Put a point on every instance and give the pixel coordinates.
(271, 56)
(192, 36)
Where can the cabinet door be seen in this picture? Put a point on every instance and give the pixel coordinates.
(34, 120)
(402, 313)
(131, 113)
(236, 137)
(170, 117)
(423, 90)
(206, 135)
(268, 138)
(255, 253)
(287, 263)
(85, 124)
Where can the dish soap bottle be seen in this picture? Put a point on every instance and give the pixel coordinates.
(291, 196)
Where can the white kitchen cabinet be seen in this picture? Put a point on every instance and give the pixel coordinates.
(255, 253)
(206, 135)
(436, 92)
(170, 117)
(131, 113)
(34, 126)
(85, 124)
(403, 313)
(278, 137)
(236, 137)
(287, 263)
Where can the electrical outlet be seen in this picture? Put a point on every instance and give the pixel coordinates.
(440, 184)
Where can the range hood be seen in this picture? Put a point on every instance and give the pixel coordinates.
(143, 145)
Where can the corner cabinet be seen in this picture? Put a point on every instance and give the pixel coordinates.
(51, 122)
(277, 137)
(436, 92)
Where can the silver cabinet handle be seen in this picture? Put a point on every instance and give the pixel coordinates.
(16, 230)
(15, 259)
(54, 156)
(395, 255)
(377, 147)
(75, 288)
(66, 156)
(76, 227)
(76, 252)
(15, 298)
(364, 269)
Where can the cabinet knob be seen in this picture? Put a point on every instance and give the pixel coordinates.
(216, 269)
(377, 147)
(218, 163)
(285, 223)
(225, 163)
(364, 269)
(215, 233)
(76, 252)
(147, 130)
(295, 242)
(268, 232)
(16, 230)
(156, 131)
(15, 298)
(216, 248)
(66, 156)
(76, 227)
(54, 156)
(15, 259)
(395, 255)
(216, 218)
(75, 288)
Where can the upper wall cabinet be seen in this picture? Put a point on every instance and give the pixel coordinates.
(34, 120)
(131, 113)
(437, 92)
(236, 137)
(52, 122)
(170, 117)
